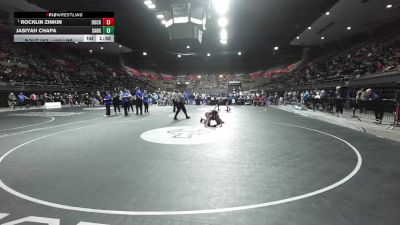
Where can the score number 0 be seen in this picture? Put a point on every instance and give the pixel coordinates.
(108, 21)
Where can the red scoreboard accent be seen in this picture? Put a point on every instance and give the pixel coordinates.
(108, 21)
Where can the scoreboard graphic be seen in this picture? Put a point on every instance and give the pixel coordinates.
(64, 26)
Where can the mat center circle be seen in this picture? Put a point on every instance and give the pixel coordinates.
(181, 135)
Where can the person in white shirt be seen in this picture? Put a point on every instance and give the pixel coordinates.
(173, 99)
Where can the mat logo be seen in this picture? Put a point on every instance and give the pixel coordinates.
(181, 135)
(186, 134)
(37, 219)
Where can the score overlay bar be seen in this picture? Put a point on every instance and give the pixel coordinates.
(64, 26)
(63, 38)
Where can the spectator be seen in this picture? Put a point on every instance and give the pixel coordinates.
(22, 99)
(339, 97)
(108, 102)
(139, 101)
(33, 100)
(376, 104)
(146, 100)
(12, 100)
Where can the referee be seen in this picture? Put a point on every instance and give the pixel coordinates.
(180, 105)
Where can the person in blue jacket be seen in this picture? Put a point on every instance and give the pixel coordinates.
(139, 101)
(22, 99)
(146, 100)
(126, 98)
(108, 102)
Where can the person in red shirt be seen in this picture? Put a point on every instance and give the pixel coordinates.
(33, 99)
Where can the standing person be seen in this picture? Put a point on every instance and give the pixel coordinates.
(126, 98)
(339, 99)
(363, 101)
(139, 101)
(146, 100)
(77, 99)
(218, 102)
(331, 100)
(306, 99)
(323, 100)
(108, 102)
(191, 99)
(359, 103)
(12, 100)
(70, 99)
(42, 99)
(376, 104)
(21, 99)
(186, 96)
(86, 99)
(33, 99)
(227, 104)
(131, 102)
(173, 98)
(116, 103)
(180, 105)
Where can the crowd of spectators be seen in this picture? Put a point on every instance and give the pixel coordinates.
(53, 65)
(357, 61)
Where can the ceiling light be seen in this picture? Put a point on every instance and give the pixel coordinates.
(224, 42)
(198, 76)
(223, 22)
(90, 51)
(148, 2)
(223, 34)
(239, 53)
(309, 28)
(327, 13)
(208, 54)
(151, 6)
(297, 37)
(144, 53)
(276, 48)
(179, 56)
(120, 46)
(221, 6)
(322, 38)
(187, 46)
(389, 6)
(221, 76)
(160, 16)
(101, 47)
(348, 28)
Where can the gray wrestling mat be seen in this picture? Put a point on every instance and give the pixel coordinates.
(261, 167)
